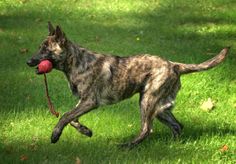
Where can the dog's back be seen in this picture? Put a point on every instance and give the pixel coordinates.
(121, 77)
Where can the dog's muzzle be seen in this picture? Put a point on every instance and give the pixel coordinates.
(33, 63)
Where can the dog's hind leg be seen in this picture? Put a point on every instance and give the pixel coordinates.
(166, 117)
(81, 128)
(146, 105)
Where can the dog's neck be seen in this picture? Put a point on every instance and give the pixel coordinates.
(78, 59)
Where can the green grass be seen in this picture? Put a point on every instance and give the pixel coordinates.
(184, 31)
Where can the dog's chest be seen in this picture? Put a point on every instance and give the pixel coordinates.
(80, 83)
(74, 89)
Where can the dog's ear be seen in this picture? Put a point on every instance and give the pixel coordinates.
(51, 29)
(60, 36)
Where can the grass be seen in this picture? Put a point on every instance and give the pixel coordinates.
(184, 31)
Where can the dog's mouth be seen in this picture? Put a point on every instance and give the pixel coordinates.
(32, 63)
(35, 64)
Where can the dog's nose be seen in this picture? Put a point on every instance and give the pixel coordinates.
(29, 62)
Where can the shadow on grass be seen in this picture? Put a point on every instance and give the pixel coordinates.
(188, 134)
(162, 34)
(104, 150)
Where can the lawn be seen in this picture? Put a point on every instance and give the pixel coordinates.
(185, 31)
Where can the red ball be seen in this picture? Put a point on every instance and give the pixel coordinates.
(44, 66)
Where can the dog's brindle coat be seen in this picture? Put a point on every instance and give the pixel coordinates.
(102, 79)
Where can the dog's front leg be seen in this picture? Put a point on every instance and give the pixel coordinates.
(84, 107)
(81, 128)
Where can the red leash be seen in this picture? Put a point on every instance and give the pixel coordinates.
(52, 110)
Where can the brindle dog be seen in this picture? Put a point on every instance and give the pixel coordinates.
(104, 79)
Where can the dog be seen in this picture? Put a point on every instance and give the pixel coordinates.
(99, 79)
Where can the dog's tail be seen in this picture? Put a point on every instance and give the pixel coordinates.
(189, 68)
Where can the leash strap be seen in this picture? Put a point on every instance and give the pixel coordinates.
(52, 110)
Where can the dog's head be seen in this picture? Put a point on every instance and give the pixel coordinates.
(53, 48)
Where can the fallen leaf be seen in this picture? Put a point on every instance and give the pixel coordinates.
(23, 50)
(23, 157)
(207, 105)
(224, 148)
(137, 38)
(77, 160)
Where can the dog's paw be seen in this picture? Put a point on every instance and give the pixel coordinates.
(55, 135)
(86, 131)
